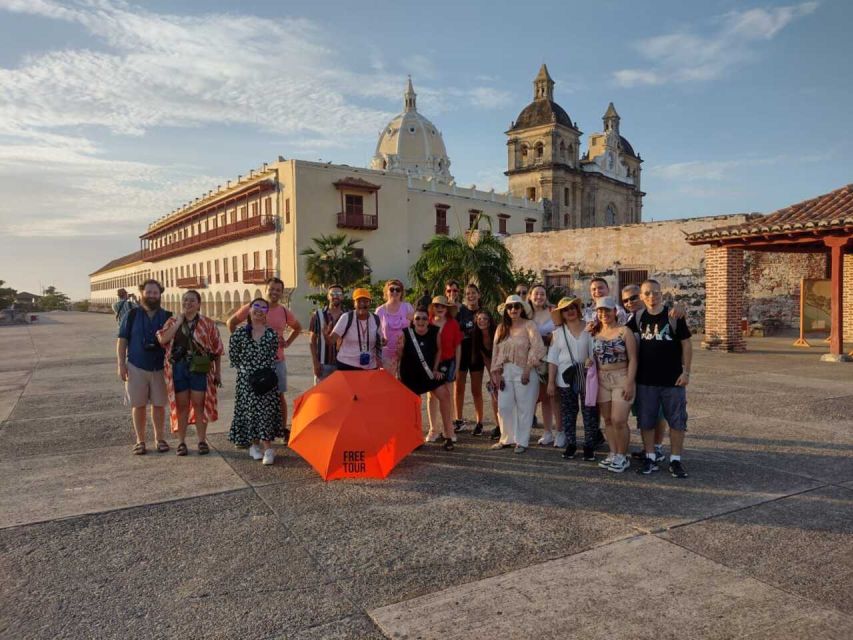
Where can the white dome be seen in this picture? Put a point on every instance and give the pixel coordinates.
(413, 145)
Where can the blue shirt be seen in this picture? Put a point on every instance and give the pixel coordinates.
(144, 331)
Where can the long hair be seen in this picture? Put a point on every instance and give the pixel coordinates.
(249, 317)
(477, 346)
(502, 332)
(388, 285)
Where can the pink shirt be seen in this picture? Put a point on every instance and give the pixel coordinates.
(392, 325)
(278, 319)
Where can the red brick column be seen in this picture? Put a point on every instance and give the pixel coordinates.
(723, 299)
(847, 304)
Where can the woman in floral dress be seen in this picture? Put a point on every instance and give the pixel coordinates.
(257, 418)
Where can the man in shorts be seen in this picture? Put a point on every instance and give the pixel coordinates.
(663, 373)
(125, 303)
(279, 318)
(140, 364)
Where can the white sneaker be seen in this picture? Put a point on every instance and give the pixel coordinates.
(561, 440)
(605, 464)
(546, 439)
(256, 452)
(620, 464)
(269, 456)
(431, 437)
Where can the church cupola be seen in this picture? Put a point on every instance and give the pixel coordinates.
(611, 119)
(410, 98)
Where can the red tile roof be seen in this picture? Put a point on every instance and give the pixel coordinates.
(833, 210)
(130, 258)
(357, 183)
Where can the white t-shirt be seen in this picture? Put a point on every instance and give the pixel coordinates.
(351, 347)
(561, 352)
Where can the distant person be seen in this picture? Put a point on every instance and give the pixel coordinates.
(482, 343)
(253, 351)
(193, 371)
(420, 350)
(537, 299)
(358, 336)
(615, 351)
(324, 350)
(517, 351)
(522, 290)
(125, 303)
(394, 315)
(279, 318)
(598, 288)
(665, 359)
(441, 315)
(140, 364)
(452, 291)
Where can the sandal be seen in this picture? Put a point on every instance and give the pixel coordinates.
(139, 449)
(448, 444)
(182, 449)
(203, 448)
(162, 446)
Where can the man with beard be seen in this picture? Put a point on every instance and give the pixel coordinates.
(279, 318)
(324, 350)
(140, 364)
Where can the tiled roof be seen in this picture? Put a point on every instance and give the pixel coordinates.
(357, 183)
(130, 258)
(832, 210)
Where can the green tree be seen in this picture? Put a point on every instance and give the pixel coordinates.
(7, 295)
(333, 260)
(52, 300)
(476, 256)
(525, 276)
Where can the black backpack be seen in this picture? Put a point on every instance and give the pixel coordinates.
(378, 341)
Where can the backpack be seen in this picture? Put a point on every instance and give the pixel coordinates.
(672, 321)
(378, 341)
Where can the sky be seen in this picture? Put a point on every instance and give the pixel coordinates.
(114, 113)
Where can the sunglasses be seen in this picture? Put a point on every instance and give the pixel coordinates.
(336, 294)
(394, 289)
(260, 307)
(632, 298)
(514, 305)
(421, 319)
(451, 290)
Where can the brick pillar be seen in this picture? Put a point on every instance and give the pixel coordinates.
(723, 299)
(847, 299)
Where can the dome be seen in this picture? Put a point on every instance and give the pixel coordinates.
(626, 146)
(541, 112)
(411, 144)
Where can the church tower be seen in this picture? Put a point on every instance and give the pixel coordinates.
(543, 157)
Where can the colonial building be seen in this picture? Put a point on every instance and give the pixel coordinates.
(227, 242)
(599, 188)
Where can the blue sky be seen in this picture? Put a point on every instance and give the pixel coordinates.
(113, 113)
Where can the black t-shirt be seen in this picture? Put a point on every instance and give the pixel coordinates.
(659, 361)
(465, 318)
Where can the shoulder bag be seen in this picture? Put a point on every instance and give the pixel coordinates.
(574, 376)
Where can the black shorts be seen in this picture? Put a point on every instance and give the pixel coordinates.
(465, 363)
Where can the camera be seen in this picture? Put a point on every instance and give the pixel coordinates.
(179, 352)
(151, 346)
(364, 359)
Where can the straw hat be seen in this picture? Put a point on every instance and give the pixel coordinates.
(516, 299)
(556, 312)
(361, 293)
(443, 301)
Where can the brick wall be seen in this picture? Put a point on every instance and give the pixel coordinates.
(847, 300)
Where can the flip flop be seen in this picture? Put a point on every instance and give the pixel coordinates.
(139, 449)
(182, 449)
(162, 446)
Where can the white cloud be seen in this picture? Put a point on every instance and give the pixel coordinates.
(716, 170)
(687, 57)
(146, 70)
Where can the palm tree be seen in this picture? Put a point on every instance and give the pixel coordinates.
(334, 259)
(477, 257)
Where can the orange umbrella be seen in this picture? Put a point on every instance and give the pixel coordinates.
(356, 424)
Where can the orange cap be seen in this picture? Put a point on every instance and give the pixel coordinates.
(361, 293)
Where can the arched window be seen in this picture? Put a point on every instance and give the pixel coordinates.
(540, 150)
(562, 150)
(610, 215)
(524, 151)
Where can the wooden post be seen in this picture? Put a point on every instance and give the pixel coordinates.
(801, 341)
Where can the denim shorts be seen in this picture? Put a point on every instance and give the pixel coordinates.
(281, 373)
(184, 380)
(672, 400)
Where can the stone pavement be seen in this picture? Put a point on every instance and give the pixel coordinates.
(97, 543)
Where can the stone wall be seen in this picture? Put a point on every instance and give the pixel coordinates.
(771, 280)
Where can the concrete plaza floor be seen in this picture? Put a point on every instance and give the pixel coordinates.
(97, 543)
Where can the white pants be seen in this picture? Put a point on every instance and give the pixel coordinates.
(516, 403)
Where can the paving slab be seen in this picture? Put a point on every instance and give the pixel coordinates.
(102, 479)
(62, 435)
(218, 566)
(802, 544)
(683, 596)
(429, 526)
(64, 403)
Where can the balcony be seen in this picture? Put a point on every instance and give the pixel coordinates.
(257, 276)
(192, 282)
(357, 221)
(442, 230)
(218, 235)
